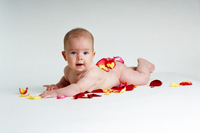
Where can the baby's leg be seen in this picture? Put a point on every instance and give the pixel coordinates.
(137, 75)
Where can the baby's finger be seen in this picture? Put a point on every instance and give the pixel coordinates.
(45, 85)
(47, 96)
(48, 89)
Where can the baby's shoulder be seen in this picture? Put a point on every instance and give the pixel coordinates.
(94, 72)
(67, 70)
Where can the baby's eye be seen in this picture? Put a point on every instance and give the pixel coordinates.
(85, 53)
(73, 52)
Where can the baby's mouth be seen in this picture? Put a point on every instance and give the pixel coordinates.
(79, 64)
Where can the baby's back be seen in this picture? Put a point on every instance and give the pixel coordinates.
(106, 79)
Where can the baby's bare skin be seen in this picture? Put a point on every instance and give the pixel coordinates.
(96, 78)
(81, 74)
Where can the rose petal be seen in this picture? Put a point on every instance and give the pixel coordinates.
(118, 58)
(95, 95)
(79, 95)
(103, 61)
(118, 89)
(111, 65)
(155, 83)
(97, 91)
(89, 95)
(130, 87)
(175, 84)
(61, 97)
(21, 90)
(123, 84)
(186, 83)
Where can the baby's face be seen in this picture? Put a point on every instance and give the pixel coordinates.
(79, 54)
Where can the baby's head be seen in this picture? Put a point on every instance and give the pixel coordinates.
(79, 49)
(77, 33)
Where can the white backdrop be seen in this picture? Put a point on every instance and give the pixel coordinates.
(166, 32)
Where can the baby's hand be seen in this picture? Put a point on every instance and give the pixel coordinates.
(51, 87)
(49, 94)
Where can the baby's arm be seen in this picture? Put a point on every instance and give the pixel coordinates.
(86, 82)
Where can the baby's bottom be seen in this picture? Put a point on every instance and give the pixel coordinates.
(136, 75)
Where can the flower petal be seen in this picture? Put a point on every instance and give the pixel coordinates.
(118, 89)
(186, 83)
(102, 64)
(97, 91)
(130, 87)
(89, 95)
(175, 84)
(61, 97)
(155, 83)
(79, 95)
(22, 91)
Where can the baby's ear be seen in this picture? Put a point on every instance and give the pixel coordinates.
(93, 54)
(64, 55)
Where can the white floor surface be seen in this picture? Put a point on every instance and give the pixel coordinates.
(161, 109)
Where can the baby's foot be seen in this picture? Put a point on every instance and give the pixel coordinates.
(149, 64)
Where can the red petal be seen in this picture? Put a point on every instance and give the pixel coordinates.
(98, 91)
(90, 95)
(95, 95)
(155, 83)
(186, 83)
(102, 62)
(86, 92)
(24, 91)
(130, 87)
(79, 95)
(117, 89)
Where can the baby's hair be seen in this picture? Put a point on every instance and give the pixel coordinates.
(78, 32)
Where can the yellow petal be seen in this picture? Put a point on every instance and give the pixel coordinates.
(30, 97)
(175, 84)
(111, 65)
(22, 90)
(22, 95)
(123, 90)
(107, 93)
(37, 97)
(187, 81)
(33, 98)
(103, 67)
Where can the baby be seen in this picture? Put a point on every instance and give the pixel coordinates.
(81, 74)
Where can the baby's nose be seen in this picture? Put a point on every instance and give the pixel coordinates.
(79, 57)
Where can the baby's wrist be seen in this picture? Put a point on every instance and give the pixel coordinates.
(58, 93)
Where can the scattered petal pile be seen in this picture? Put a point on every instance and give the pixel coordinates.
(122, 88)
(23, 92)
